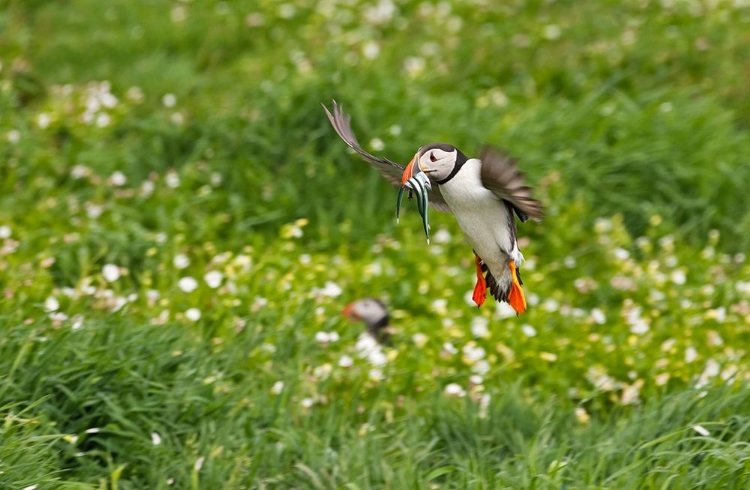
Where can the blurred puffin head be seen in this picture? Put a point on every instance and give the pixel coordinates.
(374, 314)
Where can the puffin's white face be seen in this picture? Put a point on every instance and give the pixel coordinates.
(437, 160)
(368, 310)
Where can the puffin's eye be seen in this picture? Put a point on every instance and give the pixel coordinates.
(432, 157)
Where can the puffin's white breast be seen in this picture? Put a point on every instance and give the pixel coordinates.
(482, 217)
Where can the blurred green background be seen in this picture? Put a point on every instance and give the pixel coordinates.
(180, 228)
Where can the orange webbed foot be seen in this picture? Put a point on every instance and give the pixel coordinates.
(480, 290)
(516, 297)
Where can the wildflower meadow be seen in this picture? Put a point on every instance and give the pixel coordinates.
(181, 228)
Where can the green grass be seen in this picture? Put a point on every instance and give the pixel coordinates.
(146, 145)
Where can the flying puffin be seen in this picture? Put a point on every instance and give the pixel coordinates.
(482, 193)
(374, 314)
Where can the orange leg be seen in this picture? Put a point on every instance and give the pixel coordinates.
(480, 290)
(516, 298)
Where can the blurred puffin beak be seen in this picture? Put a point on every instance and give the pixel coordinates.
(347, 312)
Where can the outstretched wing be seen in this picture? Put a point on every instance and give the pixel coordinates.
(392, 171)
(500, 174)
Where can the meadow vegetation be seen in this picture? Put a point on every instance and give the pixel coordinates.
(180, 228)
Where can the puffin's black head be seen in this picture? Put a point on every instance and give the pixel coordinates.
(438, 160)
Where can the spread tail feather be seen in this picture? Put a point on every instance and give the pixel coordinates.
(511, 293)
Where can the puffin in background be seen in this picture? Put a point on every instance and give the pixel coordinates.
(374, 314)
(483, 194)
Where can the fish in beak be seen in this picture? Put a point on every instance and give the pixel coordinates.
(415, 181)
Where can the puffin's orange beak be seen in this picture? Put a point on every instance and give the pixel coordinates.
(410, 170)
(347, 312)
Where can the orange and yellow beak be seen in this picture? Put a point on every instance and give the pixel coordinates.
(412, 168)
(347, 312)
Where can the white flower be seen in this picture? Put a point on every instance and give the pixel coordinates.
(449, 348)
(678, 277)
(691, 354)
(548, 356)
(5, 231)
(322, 337)
(77, 322)
(503, 311)
(550, 305)
(479, 327)
(621, 253)
(93, 430)
(439, 305)
(287, 11)
(93, 211)
(193, 314)
(376, 374)
(199, 463)
(181, 261)
(371, 50)
(551, 32)
(147, 188)
(719, 314)
(484, 403)
(172, 179)
(602, 225)
(108, 100)
(377, 357)
(277, 387)
(187, 284)
(419, 339)
(331, 289)
(322, 371)
(469, 299)
(13, 136)
(414, 65)
(582, 415)
(102, 120)
(473, 353)
(476, 379)
(441, 236)
(346, 361)
(454, 389)
(661, 379)
(58, 316)
(43, 120)
(528, 330)
(597, 316)
(380, 13)
(639, 327)
(377, 144)
(111, 272)
(213, 279)
(631, 393)
(169, 100)
(481, 367)
(701, 430)
(365, 344)
(155, 438)
(51, 304)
